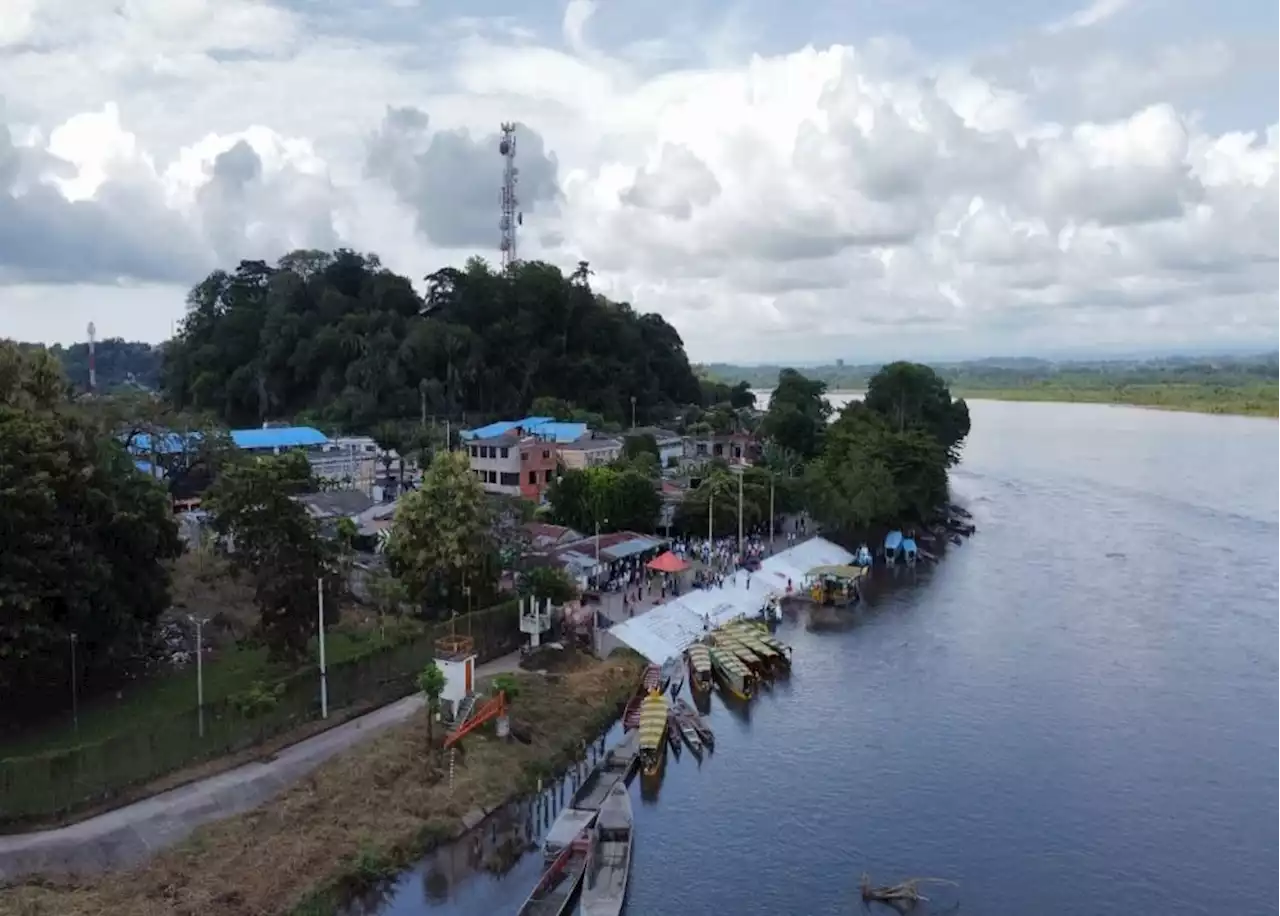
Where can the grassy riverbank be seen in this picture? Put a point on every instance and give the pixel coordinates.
(1261, 400)
(358, 818)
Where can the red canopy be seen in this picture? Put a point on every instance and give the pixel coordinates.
(668, 563)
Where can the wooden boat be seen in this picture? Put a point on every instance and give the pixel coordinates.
(652, 679)
(752, 640)
(653, 732)
(688, 714)
(673, 735)
(689, 734)
(731, 644)
(604, 888)
(560, 882)
(734, 676)
(699, 667)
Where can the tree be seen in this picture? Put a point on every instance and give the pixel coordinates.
(718, 493)
(86, 540)
(913, 396)
(549, 583)
(616, 500)
(741, 397)
(798, 414)
(637, 444)
(275, 541)
(338, 334)
(431, 681)
(442, 541)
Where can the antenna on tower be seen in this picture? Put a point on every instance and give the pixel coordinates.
(93, 364)
(512, 218)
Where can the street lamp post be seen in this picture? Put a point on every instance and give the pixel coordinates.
(633, 413)
(324, 676)
(75, 700)
(742, 472)
(199, 624)
(711, 501)
(771, 525)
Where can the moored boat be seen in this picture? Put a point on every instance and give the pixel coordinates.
(734, 676)
(686, 713)
(673, 735)
(604, 888)
(653, 732)
(652, 679)
(560, 882)
(689, 734)
(700, 667)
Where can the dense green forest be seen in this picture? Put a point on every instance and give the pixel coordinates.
(338, 338)
(120, 363)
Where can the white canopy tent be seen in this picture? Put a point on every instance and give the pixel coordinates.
(666, 631)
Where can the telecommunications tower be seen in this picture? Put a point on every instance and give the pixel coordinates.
(512, 218)
(93, 364)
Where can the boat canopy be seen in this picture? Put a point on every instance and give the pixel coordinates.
(908, 546)
(893, 540)
(837, 571)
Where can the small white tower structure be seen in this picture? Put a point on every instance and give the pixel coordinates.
(456, 659)
(535, 620)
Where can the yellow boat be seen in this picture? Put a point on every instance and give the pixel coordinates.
(734, 646)
(759, 645)
(700, 667)
(734, 676)
(653, 732)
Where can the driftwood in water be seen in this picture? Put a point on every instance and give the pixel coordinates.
(899, 896)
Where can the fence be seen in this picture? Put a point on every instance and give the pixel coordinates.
(57, 783)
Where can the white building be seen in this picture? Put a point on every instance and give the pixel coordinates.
(670, 445)
(589, 452)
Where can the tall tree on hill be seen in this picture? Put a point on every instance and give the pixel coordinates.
(798, 414)
(276, 542)
(442, 541)
(86, 539)
(339, 333)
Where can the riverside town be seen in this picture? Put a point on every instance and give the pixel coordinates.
(428, 582)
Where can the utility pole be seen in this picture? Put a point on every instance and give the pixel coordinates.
(199, 622)
(711, 501)
(324, 677)
(633, 413)
(771, 480)
(742, 472)
(75, 699)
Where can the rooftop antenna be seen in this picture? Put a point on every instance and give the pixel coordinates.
(93, 363)
(512, 218)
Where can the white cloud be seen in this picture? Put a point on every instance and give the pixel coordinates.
(1096, 13)
(853, 200)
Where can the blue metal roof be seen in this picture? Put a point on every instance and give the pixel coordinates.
(284, 437)
(908, 545)
(541, 426)
(631, 547)
(168, 444)
(893, 540)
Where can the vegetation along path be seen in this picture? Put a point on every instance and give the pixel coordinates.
(129, 835)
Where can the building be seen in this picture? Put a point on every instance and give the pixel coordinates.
(589, 452)
(579, 558)
(546, 427)
(514, 463)
(732, 447)
(670, 445)
(544, 536)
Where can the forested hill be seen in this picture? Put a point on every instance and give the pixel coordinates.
(120, 363)
(336, 338)
(1009, 374)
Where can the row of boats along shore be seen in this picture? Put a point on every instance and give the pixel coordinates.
(588, 849)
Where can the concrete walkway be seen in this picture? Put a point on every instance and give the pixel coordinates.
(129, 835)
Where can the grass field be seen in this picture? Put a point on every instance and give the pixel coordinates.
(362, 816)
(166, 697)
(1254, 400)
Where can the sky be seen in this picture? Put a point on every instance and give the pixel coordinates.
(809, 180)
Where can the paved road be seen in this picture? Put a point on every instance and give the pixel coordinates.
(129, 835)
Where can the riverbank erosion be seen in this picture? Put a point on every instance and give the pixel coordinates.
(356, 819)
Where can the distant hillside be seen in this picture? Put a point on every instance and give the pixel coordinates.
(120, 363)
(1010, 373)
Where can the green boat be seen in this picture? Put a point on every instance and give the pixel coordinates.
(734, 676)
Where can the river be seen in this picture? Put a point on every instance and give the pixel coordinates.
(1074, 713)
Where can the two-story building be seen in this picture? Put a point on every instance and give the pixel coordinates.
(589, 452)
(514, 463)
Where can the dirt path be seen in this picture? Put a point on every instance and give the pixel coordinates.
(129, 835)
